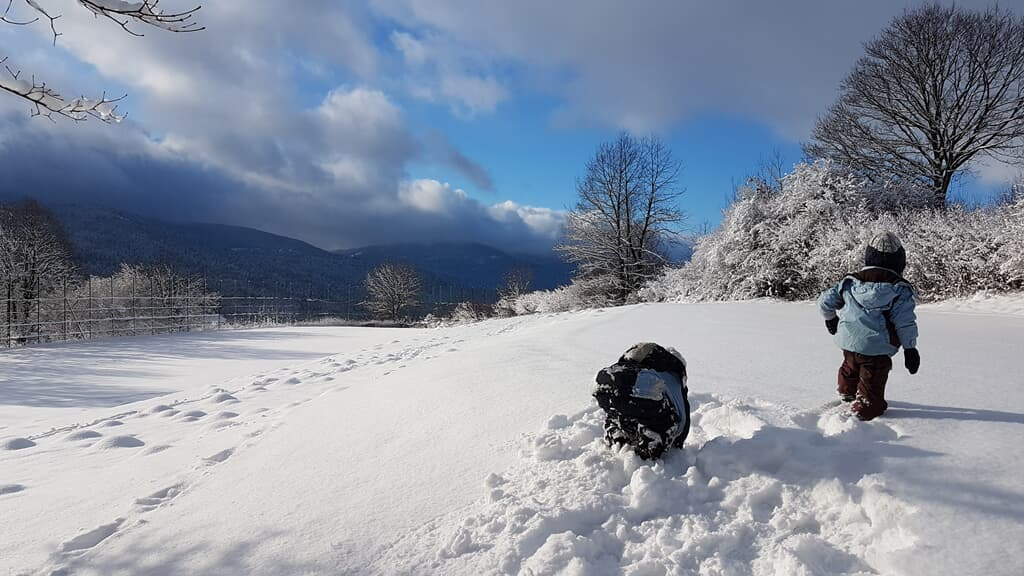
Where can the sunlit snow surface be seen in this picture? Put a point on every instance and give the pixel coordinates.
(476, 450)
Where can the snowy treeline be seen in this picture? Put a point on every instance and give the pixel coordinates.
(43, 297)
(793, 240)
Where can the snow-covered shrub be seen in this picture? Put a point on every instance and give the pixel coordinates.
(794, 241)
(775, 242)
(466, 312)
(580, 294)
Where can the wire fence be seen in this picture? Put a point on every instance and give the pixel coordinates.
(128, 306)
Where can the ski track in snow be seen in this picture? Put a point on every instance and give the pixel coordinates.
(210, 411)
(754, 492)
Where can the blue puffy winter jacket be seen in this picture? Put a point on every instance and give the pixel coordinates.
(876, 312)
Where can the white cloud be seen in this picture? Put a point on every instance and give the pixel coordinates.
(646, 66)
(431, 196)
(216, 131)
(994, 172)
(472, 95)
(414, 52)
(439, 71)
(544, 222)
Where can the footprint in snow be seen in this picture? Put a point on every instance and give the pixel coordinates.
(119, 442)
(192, 414)
(223, 397)
(10, 488)
(17, 444)
(750, 482)
(90, 539)
(82, 435)
(111, 423)
(159, 497)
(219, 456)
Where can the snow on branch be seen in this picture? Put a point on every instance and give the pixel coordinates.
(123, 13)
(48, 102)
(148, 12)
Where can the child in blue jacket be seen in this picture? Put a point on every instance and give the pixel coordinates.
(871, 314)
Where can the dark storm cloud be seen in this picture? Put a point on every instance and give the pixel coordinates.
(127, 171)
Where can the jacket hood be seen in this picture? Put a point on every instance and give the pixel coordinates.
(874, 295)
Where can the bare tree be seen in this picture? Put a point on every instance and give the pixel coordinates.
(35, 256)
(515, 282)
(625, 211)
(45, 100)
(392, 289)
(940, 87)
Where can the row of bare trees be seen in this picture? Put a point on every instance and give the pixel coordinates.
(43, 296)
(395, 289)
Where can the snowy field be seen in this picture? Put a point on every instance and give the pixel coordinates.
(476, 450)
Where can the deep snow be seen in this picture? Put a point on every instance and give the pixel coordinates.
(476, 449)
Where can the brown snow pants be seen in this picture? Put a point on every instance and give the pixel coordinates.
(865, 376)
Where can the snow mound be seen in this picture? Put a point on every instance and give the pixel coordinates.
(17, 444)
(119, 442)
(982, 303)
(754, 491)
(82, 435)
(223, 397)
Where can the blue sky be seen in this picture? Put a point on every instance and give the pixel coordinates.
(716, 152)
(347, 123)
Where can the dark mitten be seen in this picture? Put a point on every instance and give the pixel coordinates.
(832, 325)
(912, 359)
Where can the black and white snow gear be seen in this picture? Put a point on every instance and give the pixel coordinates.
(644, 397)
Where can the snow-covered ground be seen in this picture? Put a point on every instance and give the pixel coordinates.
(476, 450)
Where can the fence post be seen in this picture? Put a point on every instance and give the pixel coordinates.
(90, 307)
(111, 307)
(64, 324)
(39, 304)
(132, 308)
(188, 293)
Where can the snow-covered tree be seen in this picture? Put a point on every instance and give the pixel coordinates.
(626, 205)
(45, 100)
(35, 260)
(392, 289)
(938, 89)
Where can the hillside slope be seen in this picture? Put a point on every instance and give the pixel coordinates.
(476, 449)
(245, 261)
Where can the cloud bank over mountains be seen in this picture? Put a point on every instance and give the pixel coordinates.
(294, 117)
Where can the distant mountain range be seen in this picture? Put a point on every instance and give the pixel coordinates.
(244, 261)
